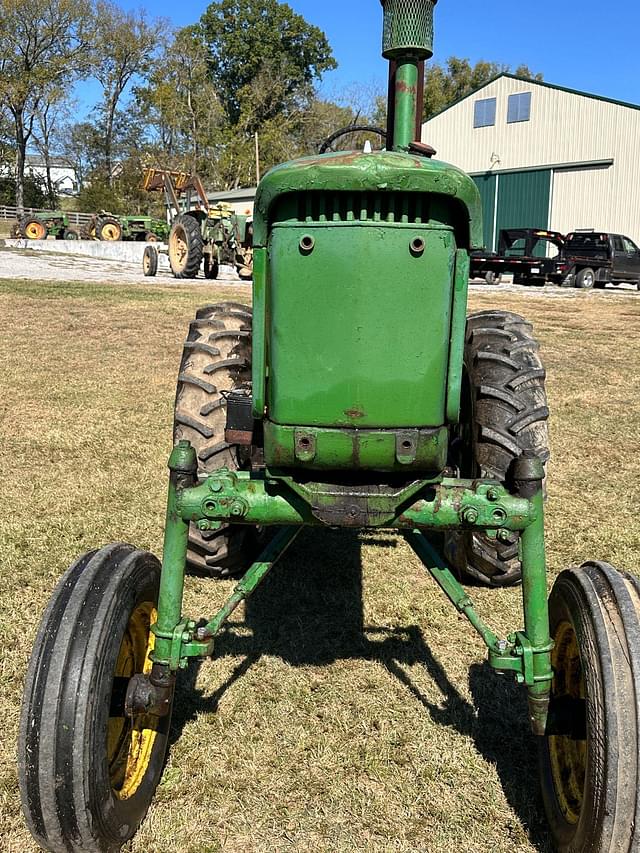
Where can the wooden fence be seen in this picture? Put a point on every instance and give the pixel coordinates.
(75, 218)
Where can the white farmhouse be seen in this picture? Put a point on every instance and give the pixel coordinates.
(63, 175)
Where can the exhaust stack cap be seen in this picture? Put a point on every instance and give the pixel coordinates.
(408, 29)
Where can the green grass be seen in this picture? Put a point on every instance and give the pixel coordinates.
(348, 707)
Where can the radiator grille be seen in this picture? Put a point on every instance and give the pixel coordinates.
(410, 208)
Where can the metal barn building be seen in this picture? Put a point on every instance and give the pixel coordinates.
(545, 157)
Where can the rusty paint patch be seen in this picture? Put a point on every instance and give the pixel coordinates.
(354, 414)
(401, 86)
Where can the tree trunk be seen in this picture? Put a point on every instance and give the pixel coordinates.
(21, 154)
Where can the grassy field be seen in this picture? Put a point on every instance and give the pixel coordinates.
(348, 708)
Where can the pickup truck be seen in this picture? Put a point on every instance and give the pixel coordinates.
(531, 255)
(594, 258)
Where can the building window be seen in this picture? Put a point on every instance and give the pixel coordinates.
(519, 107)
(484, 113)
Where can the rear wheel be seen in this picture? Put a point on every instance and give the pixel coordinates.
(216, 359)
(492, 277)
(150, 261)
(585, 279)
(108, 228)
(71, 234)
(504, 412)
(87, 772)
(32, 228)
(590, 759)
(185, 246)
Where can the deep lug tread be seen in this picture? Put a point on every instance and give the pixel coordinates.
(508, 414)
(190, 265)
(218, 344)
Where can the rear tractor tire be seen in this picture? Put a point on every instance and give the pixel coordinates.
(503, 413)
(88, 772)
(32, 228)
(150, 261)
(590, 756)
(186, 246)
(216, 359)
(71, 234)
(108, 228)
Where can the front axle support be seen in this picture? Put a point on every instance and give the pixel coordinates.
(228, 497)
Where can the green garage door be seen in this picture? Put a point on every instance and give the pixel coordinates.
(523, 200)
(487, 186)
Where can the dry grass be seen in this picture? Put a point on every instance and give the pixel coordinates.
(5, 227)
(348, 708)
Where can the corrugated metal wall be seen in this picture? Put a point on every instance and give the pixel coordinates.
(564, 128)
(487, 186)
(523, 200)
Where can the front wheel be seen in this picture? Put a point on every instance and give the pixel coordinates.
(589, 759)
(87, 772)
(150, 261)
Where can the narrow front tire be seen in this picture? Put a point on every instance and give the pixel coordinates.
(590, 757)
(87, 772)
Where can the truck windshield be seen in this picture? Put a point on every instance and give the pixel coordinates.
(587, 241)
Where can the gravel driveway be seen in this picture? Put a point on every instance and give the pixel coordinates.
(50, 266)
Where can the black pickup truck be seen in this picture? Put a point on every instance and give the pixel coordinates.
(594, 258)
(531, 255)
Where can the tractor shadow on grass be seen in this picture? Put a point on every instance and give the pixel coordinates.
(309, 612)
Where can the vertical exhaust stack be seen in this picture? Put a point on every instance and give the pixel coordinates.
(407, 41)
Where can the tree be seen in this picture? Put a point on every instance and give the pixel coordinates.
(248, 38)
(50, 119)
(124, 48)
(444, 85)
(44, 47)
(180, 101)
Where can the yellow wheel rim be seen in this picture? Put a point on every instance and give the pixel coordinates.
(130, 742)
(178, 248)
(34, 230)
(568, 756)
(110, 232)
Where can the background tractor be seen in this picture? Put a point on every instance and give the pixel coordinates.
(200, 233)
(356, 393)
(45, 223)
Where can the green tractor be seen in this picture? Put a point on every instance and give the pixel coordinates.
(357, 394)
(143, 228)
(201, 235)
(46, 223)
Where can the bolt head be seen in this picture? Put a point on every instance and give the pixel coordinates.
(469, 515)
(504, 535)
(215, 485)
(202, 524)
(493, 494)
(237, 508)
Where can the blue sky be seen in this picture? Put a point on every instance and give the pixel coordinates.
(591, 46)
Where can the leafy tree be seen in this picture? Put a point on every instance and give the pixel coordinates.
(180, 102)
(34, 191)
(47, 136)
(444, 85)
(124, 48)
(44, 47)
(247, 39)
(98, 195)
